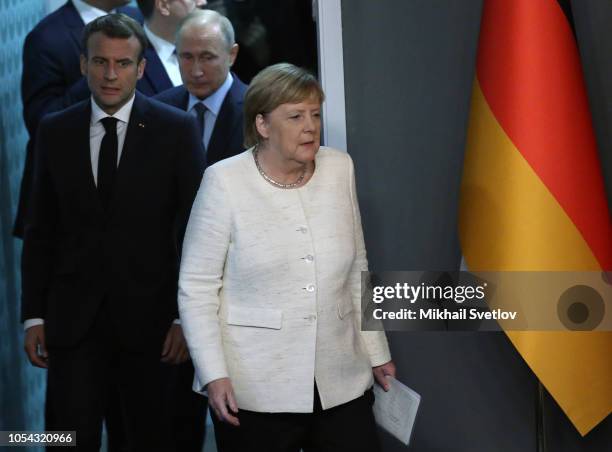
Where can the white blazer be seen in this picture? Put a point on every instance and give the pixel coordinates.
(270, 287)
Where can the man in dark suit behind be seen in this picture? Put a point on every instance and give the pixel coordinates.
(51, 78)
(115, 179)
(161, 20)
(206, 51)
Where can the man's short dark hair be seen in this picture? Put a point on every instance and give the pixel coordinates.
(116, 25)
(146, 7)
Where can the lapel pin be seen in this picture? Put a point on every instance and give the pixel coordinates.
(140, 124)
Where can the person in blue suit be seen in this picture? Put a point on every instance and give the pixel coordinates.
(116, 175)
(206, 51)
(51, 78)
(161, 21)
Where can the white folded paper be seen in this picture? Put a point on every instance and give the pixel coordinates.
(395, 411)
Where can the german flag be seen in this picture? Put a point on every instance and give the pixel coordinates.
(532, 196)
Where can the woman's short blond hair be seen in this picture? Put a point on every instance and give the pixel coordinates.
(281, 83)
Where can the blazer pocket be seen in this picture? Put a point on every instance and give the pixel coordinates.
(345, 307)
(257, 317)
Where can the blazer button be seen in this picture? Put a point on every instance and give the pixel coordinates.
(309, 258)
(302, 229)
(310, 288)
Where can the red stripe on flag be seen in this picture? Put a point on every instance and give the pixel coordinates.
(529, 70)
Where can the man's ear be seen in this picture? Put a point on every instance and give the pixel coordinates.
(163, 7)
(83, 61)
(233, 53)
(141, 67)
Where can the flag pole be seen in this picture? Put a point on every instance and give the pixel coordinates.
(540, 431)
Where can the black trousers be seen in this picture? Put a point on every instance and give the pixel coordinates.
(79, 382)
(186, 409)
(347, 427)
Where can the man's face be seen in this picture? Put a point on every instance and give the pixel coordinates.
(179, 9)
(204, 58)
(112, 70)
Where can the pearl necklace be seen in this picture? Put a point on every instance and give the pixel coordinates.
(272, 181)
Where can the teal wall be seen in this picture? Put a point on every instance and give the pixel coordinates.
(21, 386)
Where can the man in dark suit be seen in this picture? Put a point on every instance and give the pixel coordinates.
(206, 51)
(161, 20)
(115, 179)
(51, 78)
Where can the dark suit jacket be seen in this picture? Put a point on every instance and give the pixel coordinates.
(155, 78)
(77, 256)
(51, 79)
(228, 137)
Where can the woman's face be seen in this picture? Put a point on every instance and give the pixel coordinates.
(293, 130)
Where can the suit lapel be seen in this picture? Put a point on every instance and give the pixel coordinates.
(82, 152)
(133, 147)
(183, 98)
(73, 22)
(155, 71)
(219, 140)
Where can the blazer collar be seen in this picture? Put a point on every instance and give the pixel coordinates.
(80, 120)
(73, 22)
(137, 123)
(184, 98)
(155, 71)
(131, 153)
(70, 16)
(134, 151)
(229, 114)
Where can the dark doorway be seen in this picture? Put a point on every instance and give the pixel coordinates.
(269, 32)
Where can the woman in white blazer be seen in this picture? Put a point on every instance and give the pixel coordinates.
(270, 280)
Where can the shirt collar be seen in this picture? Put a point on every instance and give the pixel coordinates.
(163, 48)
(215, 100)
(87, 12)
(123, 114)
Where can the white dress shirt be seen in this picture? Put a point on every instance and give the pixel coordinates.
(87, 12)
(213, 105)
(96, 132)
(167, 55)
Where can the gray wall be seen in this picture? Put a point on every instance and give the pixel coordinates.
(409, 67)
(593, 22)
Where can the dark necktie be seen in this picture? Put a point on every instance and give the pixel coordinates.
(200, 109)
(107, 161)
